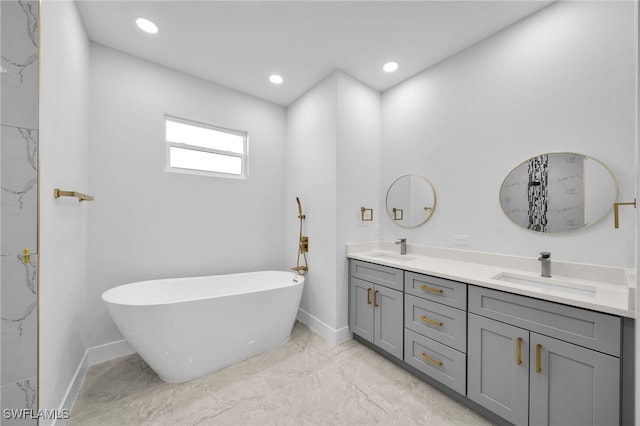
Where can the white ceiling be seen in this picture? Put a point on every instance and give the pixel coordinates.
(238, 44)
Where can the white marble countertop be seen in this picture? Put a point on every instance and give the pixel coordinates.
(600, 288)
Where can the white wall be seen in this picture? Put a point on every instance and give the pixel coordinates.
(146, 223)
(359, 165)
(64, 134)
(560, 80)
(311, 175)
(333, 165)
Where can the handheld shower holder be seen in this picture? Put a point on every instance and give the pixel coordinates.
(303, 244)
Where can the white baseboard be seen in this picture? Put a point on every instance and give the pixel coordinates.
(93, 355)
(327, 332)
(73, 389)
(109, 351)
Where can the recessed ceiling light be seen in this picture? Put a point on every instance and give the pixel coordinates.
(276, 79)
(390, 66)
(147, 26)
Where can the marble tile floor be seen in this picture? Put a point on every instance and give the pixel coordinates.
(305, 381)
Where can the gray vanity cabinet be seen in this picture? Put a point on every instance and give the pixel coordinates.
(529, 361)
(435, 336)
(375, 308)
(498, 368)
(573, 386)
(530, 378)
(387, 320)
(361, 308)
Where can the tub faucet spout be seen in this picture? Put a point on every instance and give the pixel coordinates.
(403, 245)
(545, 261)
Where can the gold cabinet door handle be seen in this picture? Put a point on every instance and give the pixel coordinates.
(518, 351)
(430, 321)
(25, 256)
(431, 360)
(368, 296)
(375, 299)
(538, 369)
(432, 290)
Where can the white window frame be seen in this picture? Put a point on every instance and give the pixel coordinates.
(244, 158)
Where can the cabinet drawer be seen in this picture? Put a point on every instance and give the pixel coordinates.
(439, 290)
(439, 322)
(594, 330)
(436, 360)
(378, 274)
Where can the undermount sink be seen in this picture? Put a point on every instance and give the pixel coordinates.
(391, 256)
(547, 284)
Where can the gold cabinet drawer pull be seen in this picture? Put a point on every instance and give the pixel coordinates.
(375, 299)
(368, 296)
(518, 351)
(431, 360)
(430, 321)
(431, 289)
(538, 369)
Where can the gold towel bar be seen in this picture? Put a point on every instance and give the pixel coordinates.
(616, 220)
(57, 193)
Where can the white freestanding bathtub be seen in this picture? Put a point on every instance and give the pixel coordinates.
(187, 327)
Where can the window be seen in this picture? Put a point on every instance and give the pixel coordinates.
(198, 148)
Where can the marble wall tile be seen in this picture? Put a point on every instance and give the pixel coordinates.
(18, 204)
(19, 62)
(18, 218)
(566, 192)
(513, 196)
(19, 319)
(19, 195)
(20, 394)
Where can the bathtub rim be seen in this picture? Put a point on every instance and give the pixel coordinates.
(105, 296)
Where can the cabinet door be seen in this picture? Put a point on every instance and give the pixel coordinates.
(388, 320)
(497, 378)
(361, 308)
(573, 385)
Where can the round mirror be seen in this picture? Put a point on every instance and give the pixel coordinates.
(558, 192)
(410, 201)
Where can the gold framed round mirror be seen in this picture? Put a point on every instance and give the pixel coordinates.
(558, 192)
(410, 201)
